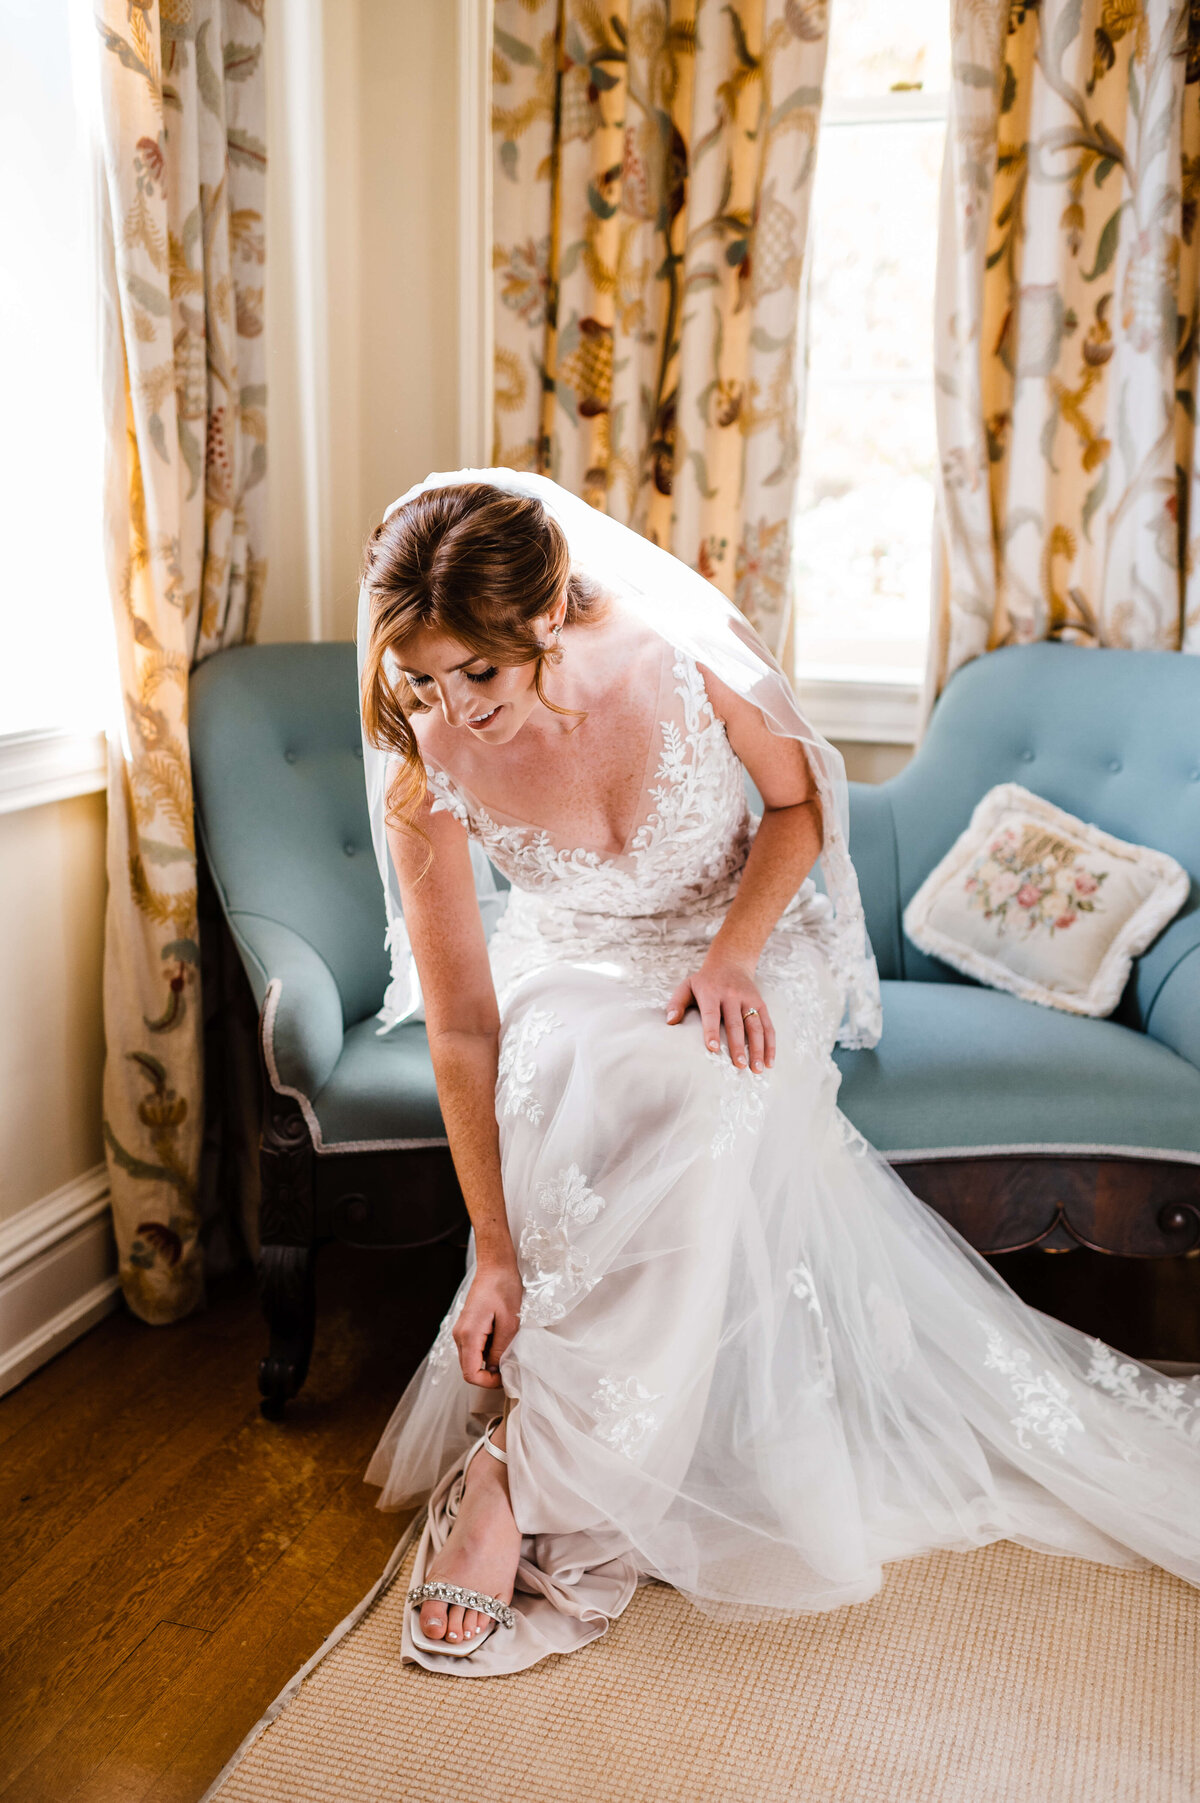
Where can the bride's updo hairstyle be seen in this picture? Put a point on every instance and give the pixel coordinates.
(479, 565)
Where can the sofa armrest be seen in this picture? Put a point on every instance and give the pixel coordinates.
(1174, 1017)
(307, 1023)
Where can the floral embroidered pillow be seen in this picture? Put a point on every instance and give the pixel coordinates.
(1033, 900)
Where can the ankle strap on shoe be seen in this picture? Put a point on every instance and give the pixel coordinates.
(487, 1440)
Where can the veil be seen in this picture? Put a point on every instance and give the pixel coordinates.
(691, 614)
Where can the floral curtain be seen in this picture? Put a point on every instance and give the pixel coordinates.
(1066, 329)
(183, 362)
(653, 167)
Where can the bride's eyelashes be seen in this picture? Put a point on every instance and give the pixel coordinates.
(418, 682)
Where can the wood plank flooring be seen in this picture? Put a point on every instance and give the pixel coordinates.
(169, 1557)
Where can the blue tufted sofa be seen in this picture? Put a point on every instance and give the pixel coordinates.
(1021, 1124)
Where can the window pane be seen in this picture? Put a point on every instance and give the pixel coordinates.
(863, 535)
(55, 622)
(873, 44)
(874, 246)
(868, 460)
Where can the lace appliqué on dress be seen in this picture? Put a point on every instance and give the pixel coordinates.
(554, 1270)
(1045, 1402)
(651, 912)
(446, 797)
(1172, 1402)
(624, 1415)
(743, 1103)
(444, 1353)
(517, 1067)
(696, 833)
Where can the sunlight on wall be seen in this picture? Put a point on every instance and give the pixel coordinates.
(52, 1049)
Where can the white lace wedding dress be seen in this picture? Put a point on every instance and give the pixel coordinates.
(751, 1362)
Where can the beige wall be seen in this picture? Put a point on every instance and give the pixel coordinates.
(52, 1047)
(874, 763)
(386, 308)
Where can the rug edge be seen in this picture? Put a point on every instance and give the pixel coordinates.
(275, 1708)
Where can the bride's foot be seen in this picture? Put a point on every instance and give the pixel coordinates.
(481, 1551)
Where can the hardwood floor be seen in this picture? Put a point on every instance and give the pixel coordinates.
(169, 1557)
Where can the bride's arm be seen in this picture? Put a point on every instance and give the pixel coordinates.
(463, 1025)
(785, 848)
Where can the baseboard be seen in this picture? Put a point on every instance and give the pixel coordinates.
(58, 1267)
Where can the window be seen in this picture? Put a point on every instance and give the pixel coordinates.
(865, 504)
(55, 619)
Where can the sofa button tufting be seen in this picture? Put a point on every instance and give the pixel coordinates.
(1194, 776)
(1114, 763)
(289, 757)
(349, 849)
(1027, 757)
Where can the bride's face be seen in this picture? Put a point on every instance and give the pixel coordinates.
(490, 701)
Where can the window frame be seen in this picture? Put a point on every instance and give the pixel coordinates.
(864, 705)
(50, 764)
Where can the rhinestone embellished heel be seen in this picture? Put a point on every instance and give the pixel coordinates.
(436, 1591)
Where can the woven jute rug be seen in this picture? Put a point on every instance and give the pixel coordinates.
(999, 1676)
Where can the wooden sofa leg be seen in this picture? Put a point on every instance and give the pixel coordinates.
(287, 1286)
(287, 1244)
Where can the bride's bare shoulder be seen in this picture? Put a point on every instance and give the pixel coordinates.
(435, 739)
(628, 637)
(431, 731)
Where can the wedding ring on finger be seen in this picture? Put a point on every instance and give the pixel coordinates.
(749, 1014)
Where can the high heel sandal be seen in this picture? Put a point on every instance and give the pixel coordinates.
(454, 1594)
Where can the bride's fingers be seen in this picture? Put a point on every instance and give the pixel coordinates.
(472, 1339)
(502, 1336)
(768, 1039)
(710, 1019)
(677, 1007)
(755, 1040)
(735, 1031)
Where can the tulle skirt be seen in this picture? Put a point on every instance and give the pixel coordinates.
(752, 1364)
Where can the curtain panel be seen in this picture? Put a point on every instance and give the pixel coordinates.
(182, 251)
(1066, 330)
(653, 169)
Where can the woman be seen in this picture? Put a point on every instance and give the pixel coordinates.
(735, 1352)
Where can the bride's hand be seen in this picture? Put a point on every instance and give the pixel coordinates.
(490, 1317)
(726, 990)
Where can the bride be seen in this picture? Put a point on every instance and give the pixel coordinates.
(735, 1353)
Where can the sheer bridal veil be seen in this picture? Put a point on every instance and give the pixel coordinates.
(693, 616)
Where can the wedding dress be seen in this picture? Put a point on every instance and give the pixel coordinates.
(751, 1363)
